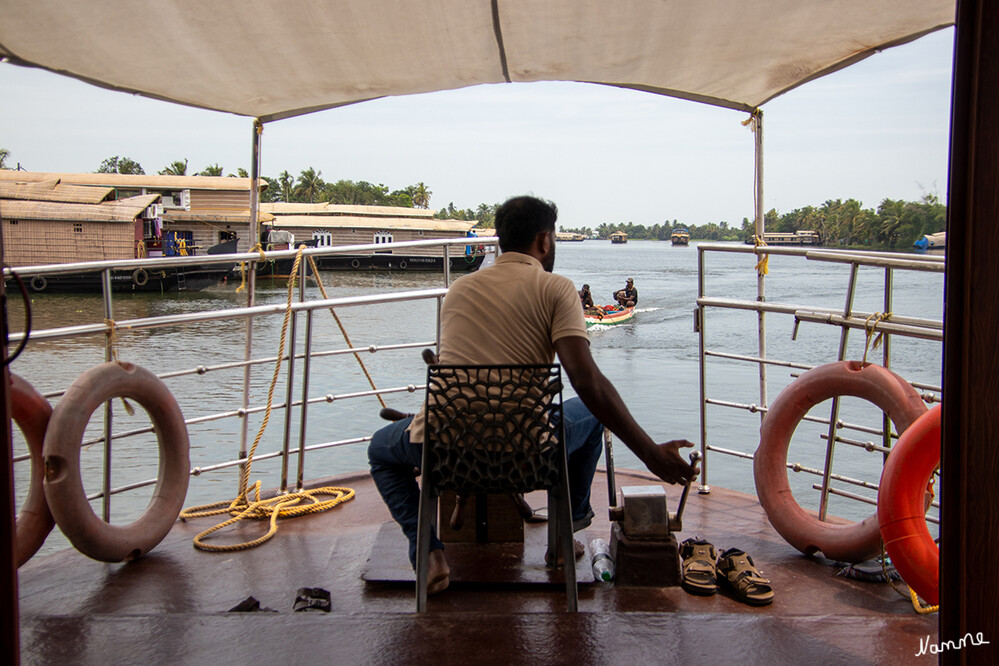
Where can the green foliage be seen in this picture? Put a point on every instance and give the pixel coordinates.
(211, 170)
(175, 168)
(115, 164)
(894, 225)
(4, 154)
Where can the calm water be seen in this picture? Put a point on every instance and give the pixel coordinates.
(651, 360)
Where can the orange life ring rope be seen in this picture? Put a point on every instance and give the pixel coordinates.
(855, 542)
(902, 506)
(63, 482)
(31, 412)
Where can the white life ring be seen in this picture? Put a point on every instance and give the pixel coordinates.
(855, 542)
(63, 482)
(354, 263)
(140, 277)
(402, 264)
(38, 283)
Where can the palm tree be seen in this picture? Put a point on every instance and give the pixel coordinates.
(421, 196)
(286, 181)
(310, 183)
(176, 168)
(212, 170)
(4, 154)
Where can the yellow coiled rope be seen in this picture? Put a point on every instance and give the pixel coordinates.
(917, 605)
(870, 326)
(282, 506)
(763, 265)
(242, 267)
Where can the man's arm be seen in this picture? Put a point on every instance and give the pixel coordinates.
(603, 400)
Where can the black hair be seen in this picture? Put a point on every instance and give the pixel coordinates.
(520, 219)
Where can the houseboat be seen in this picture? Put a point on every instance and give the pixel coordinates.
(936, 241)
(569, 236)
(326, 225)
(619, 237)
(680, 236)
(49, 222)
(803, 237)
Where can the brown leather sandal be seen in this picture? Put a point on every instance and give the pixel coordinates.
(698, 567)
(737, 570)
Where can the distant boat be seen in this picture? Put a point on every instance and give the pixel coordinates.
(619, 237)
(680, 236)
(613, 314)
(569, 236)
(803, 237)
(932, 241)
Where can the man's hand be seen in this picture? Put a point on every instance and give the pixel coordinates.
(666, 462)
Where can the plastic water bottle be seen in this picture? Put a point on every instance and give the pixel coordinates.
(603, 565)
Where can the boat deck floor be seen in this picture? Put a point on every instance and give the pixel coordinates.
(171, 605)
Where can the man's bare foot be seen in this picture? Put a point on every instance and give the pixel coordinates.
(438, 572)
(577, 549)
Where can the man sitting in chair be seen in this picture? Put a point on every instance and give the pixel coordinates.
(518, 312)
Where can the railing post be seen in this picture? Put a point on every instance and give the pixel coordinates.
(844, 337)
(108, 356)
(703, 488)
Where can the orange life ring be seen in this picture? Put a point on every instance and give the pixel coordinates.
(855, 542)
(31, 412)
(902, 507)
(63, 482)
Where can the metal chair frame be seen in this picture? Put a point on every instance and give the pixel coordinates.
(494, 429)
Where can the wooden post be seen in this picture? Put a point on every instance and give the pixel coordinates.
(969, 578)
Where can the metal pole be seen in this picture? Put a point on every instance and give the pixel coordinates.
(108, 356)
(292, 331)
(703, 488)
(251, 283)
(886, 354)
(834, 410)
(447, 265)
(760, 277)
(306, 370)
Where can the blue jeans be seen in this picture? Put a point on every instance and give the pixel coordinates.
(392, 458)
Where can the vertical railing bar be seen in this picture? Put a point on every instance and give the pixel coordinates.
(834, 410)
(290, 379)
(306, 373)
(701, 311)
(447, 265)
(886, 353)
(108, 356)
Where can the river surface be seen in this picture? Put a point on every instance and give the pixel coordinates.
(652, 360)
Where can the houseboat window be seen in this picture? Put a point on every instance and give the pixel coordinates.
(227, 236)
(323, 238)
(78, 227)
(383, 237)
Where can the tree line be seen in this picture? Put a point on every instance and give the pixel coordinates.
(894, 224)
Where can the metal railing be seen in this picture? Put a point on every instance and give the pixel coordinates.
(846, 319)
(291, 357)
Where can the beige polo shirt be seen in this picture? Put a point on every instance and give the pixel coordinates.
(509, 313)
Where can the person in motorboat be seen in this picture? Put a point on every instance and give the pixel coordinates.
(586, 299)
(627, 297)
(518, 312)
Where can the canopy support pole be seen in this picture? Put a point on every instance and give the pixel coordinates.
(757, 125)
(251, 282)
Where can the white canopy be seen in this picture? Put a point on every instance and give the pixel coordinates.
(275, 59)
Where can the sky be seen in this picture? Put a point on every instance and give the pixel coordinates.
(604, 155)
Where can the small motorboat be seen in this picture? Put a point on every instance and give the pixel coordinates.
(610, 316)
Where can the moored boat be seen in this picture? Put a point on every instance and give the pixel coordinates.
(619, 237)
(936, 241)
